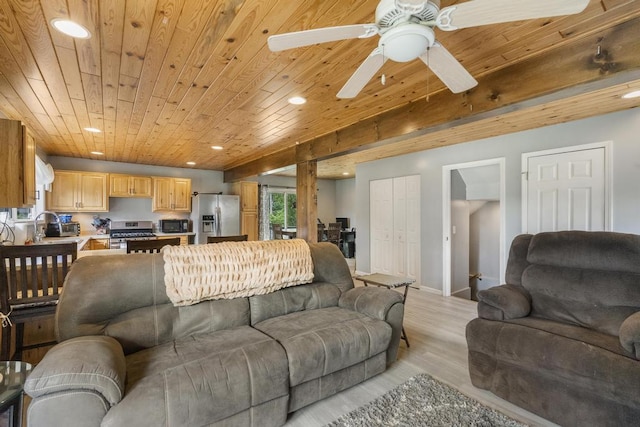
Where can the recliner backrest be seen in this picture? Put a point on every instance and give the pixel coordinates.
(591, 279)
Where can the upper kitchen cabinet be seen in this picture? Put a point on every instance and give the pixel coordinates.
(74, 191)
(17, 165)
(129, 186)
(171, 194)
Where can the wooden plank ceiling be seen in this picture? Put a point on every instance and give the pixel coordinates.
(167, 79)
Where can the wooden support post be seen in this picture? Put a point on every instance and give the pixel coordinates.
(307, 201)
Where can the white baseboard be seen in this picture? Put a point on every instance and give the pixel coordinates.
(430, 290)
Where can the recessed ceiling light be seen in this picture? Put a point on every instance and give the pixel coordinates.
(216, 147)
(94, 130)
(297, 100)
(191, 163)
(634, 94)
(71, 28)
(345, 173)
(98, 153)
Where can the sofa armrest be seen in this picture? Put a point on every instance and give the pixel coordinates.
(504, 302)
(379, 303)
(630, 334)
(93, 363)
(374, 302)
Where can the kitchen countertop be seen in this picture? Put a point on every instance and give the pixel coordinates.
(83, 239)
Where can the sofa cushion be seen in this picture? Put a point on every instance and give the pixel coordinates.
(319, 342)
(290, 300)
(201, 379)
(329, 265)
(126, 299)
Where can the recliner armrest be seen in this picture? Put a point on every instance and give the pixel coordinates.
(504, 302)
(379, 303)
(630, 334)
(374, 302)
(93, 363)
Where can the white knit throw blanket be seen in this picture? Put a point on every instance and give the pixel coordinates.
(227, 270)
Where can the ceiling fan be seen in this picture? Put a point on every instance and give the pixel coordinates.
(406, 30)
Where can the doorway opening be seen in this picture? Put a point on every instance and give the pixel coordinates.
(473, 226)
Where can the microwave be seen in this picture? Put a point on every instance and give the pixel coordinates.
(174, 225)
(64, 229)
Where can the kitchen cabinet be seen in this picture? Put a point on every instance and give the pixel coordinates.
(74, 191)
(248, 192)
(97, 244)
(17, 165)
(184, 238)
(129, 186)
(171, 194)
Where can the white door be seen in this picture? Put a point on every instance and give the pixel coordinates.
(381, 214)
(566, 191)
(413, 228)
(399, 226)
(395, 226)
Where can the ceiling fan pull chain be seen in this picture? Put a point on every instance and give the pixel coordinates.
(428, 76)
(383, 78)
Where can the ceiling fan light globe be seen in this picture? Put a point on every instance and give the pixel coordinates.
(406, 42)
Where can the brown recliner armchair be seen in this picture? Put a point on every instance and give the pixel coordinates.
(562, 337)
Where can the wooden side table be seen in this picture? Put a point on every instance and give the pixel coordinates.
(390, 282)
(12, 377)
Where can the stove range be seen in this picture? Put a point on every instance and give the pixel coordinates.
(121, 231)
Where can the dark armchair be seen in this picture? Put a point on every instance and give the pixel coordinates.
(562, 337)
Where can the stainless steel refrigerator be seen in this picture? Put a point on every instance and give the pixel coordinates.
(215, 215)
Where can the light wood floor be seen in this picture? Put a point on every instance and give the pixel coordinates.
(435, 326)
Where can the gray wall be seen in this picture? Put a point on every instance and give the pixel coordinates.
(622, 128)
(484, 244)
(346, 200)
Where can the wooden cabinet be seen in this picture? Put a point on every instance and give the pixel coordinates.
(248, 192)
(129, 186)
(171, 194)
(184, 239)
(17, 165)
(97, 244)
(74, 191)
(249, 225)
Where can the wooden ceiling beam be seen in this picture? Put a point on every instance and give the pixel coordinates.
(595, 59)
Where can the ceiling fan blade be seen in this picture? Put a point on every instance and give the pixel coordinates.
(448, 69)
(483, 12)
(321, 35)
(363, 74)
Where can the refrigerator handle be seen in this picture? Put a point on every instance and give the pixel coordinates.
(218, 221)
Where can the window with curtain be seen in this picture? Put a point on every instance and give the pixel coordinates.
(282, 207)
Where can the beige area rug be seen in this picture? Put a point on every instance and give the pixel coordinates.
(424, 401)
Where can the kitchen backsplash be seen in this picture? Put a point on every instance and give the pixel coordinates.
(124, 209)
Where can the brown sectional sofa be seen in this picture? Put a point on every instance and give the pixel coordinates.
(562, 337)
(127, 356)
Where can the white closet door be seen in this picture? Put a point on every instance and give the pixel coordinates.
(399, 226)
(381, 215)
(395, 226)
(413, 227)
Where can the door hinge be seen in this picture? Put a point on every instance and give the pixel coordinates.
(525, 175)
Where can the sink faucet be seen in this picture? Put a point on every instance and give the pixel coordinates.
(37, 235)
